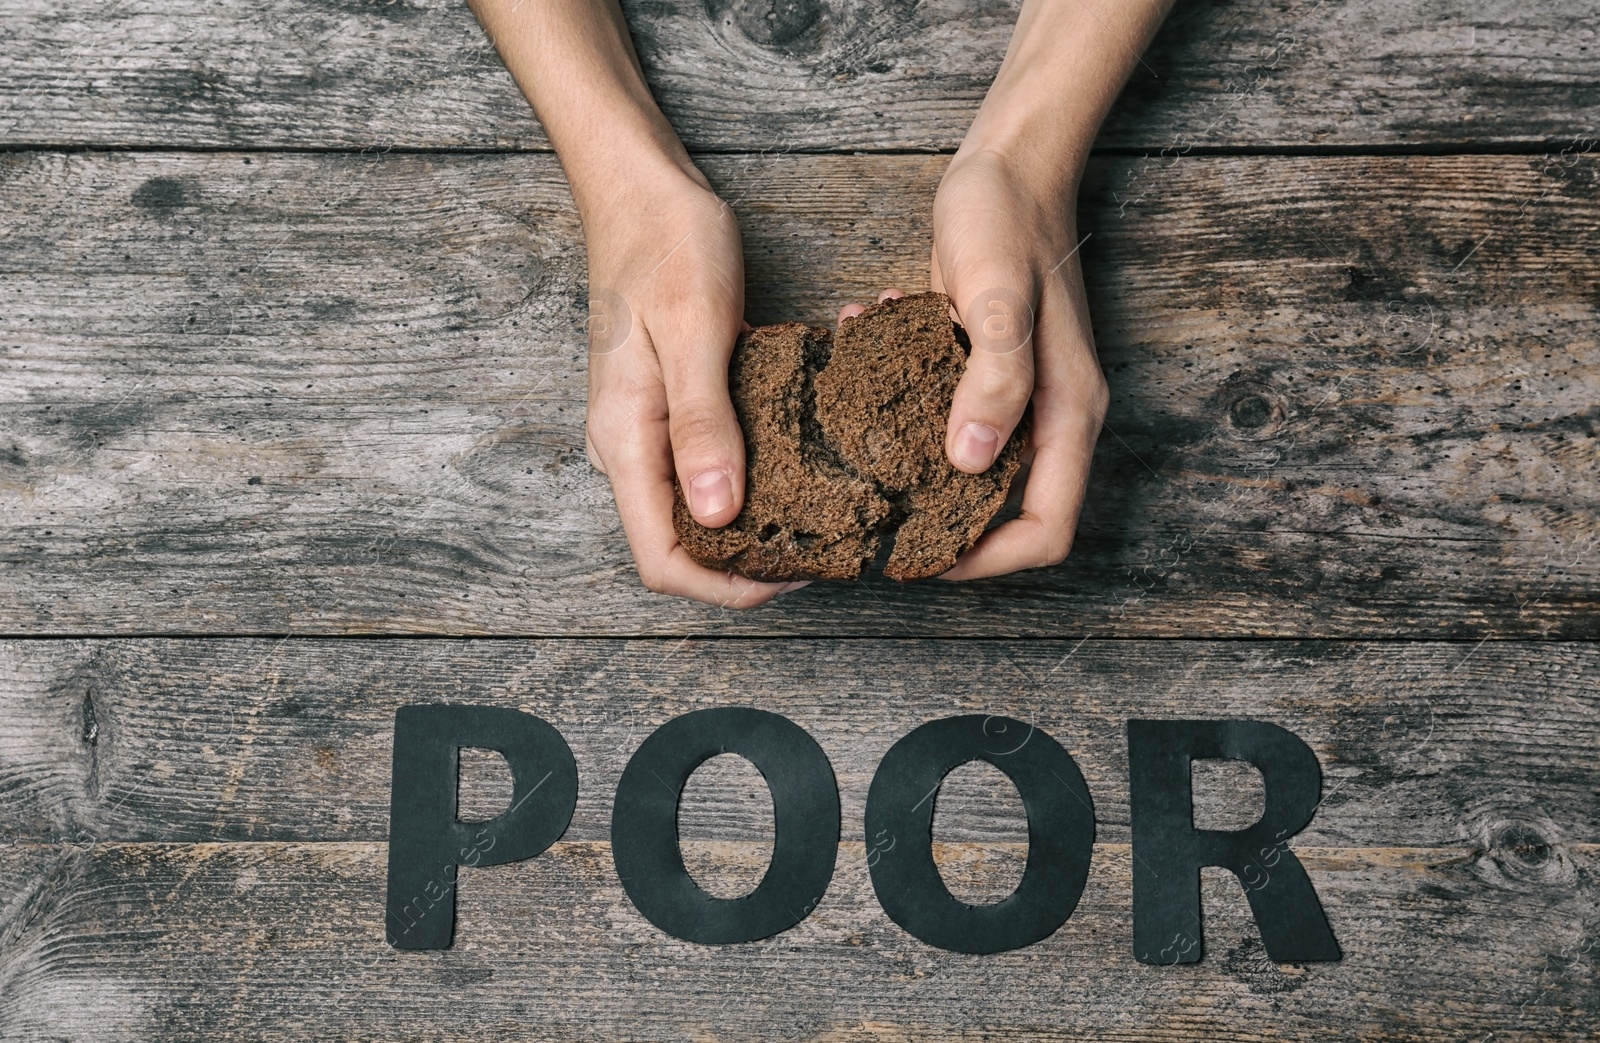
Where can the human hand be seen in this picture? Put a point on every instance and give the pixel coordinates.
(1005, 252)
(666, 285)
(666, 278)
(666, 274)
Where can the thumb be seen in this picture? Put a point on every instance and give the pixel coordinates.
(707, 443)
(998, 309)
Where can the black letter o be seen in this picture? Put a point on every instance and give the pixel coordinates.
(900, 834)
(805, 811)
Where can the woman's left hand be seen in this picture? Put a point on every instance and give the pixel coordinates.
(1005, 251)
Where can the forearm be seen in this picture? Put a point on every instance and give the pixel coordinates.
(575, 63)
(1065, 66)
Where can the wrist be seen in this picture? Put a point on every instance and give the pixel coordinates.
(1045, 142)
(1063, 69)
(649, 208)
(617, 182)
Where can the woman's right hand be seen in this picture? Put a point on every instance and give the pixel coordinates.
(666, 291)
(666, 284)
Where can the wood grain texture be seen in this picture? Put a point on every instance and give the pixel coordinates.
(275, 941)
(337, 389)
(1455, 851)
(201, 740)
(344, 394)
(797, 74)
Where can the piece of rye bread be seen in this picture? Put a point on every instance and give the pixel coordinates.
(844, 444)
(804, 516)
(884, 402)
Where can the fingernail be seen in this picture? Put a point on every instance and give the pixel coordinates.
(976, 445)
(710, 492)
(787, 587)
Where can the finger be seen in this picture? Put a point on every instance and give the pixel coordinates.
(850, 311)
(641, 479)
(1042, 535)
(1069, 406)
(707, 444)
(999, 378)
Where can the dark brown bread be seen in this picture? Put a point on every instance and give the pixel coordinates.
(804, 516)
(883, 402)
(844, 441)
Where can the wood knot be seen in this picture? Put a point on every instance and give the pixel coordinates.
(1250, 412)
(1254, 410)
(1526, 845)
(1523, 851)
(161, 194)
(784, 24)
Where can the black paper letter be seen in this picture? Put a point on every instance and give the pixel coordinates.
(805, 811)
(1168, 850)
(427, 842)
(900, 834)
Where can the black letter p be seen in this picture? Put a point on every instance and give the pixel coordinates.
(427, 842)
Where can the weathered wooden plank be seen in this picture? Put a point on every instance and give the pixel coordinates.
(1352, 396)
(255, 740)
(814, 75)
(280, 941)
(1455, 851)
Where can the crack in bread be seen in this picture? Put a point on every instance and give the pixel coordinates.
(844, 443)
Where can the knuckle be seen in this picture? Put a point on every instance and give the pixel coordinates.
(697, 429)
(597, 432)
(999, 320)
(604, 427)
(654, 579)
(1056, 550)
(624, 404)
(593, 439)
(750, 595)
(636, 388)
(1099, 397)
(698, 317)
(1010, 383)
(695, 291)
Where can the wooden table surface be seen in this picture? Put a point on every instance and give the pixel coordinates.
(291, 395)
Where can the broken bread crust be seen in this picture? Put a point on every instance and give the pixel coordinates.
(804, 515)
(844, 441)
(884, 400)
